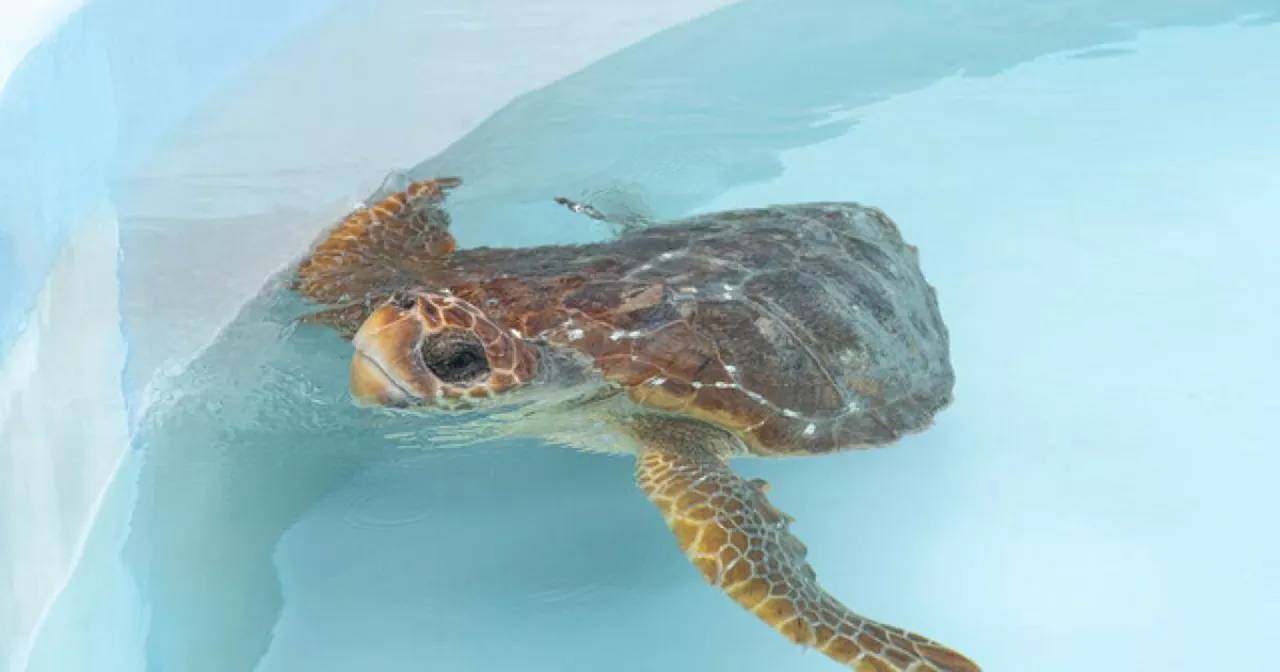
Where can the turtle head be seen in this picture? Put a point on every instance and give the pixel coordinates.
(423, 349)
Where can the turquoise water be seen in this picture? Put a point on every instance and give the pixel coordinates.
(102, 91)
(1090, 186)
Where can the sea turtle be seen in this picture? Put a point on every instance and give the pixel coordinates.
(790, 330)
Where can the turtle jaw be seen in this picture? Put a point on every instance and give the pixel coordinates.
(373, 386)
(384, 369)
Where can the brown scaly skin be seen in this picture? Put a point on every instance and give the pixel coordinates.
(414, 318)
(741, 543)
(789, 330)
(385, 244)
(379, 234)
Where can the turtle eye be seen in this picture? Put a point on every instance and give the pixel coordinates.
(455, 358)
(404, 301)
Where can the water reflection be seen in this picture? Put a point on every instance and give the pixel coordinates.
(666, 125)
(258, 430)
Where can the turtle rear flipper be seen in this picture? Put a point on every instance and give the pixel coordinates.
(741, 543)
(376, 250)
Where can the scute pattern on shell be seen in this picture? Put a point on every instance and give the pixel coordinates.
(803, 329)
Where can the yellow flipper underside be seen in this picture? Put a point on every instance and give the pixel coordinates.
(741, 543)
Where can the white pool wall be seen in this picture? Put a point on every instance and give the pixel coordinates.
(48, 496)
(62, 428)
(86, 125)
(93, 88)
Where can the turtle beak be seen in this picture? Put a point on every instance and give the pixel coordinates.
(383, 368)
(371, 386)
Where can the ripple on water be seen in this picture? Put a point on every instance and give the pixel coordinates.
(380, 510)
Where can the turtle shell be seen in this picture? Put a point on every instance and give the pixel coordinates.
(801, 328)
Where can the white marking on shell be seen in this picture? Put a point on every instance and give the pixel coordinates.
(516, 333)
(657, 380)
(728, 288)
(645, 267)
(667, 255)
(689, 290)
(728, 296)
(723, 385)
(696, 385)
(790, 413)
(810, 429)
(574, 334)
(853, 405)
(699, 481)
(617, 335)
(730, 369)
(757, 397)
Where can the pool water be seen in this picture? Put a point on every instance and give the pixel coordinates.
(1091, 187)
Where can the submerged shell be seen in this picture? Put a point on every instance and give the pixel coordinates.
(802, 328)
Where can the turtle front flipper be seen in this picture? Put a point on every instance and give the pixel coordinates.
(377, 250)
(741, 543)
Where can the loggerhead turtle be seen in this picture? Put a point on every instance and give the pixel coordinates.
(790, 330)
